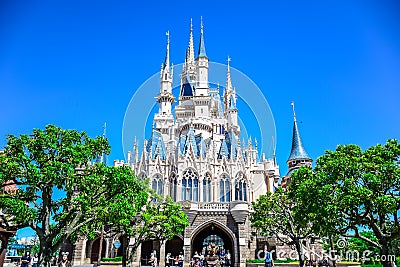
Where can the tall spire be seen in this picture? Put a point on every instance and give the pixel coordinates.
(103, 157)
(298, 151)
(228, 77)
(166, 61)
(202, 47)
(190, 54)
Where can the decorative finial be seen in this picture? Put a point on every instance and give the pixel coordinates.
(166, 61)
(104, 129)
(294, 111)
(167, 34)
(201, 24)
(228, 86)
(191, 25)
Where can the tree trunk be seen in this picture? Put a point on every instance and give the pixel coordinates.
(100, 245)
(124, 249)
(333, 254)
(300, 252)
(46, 254)
(387, 258)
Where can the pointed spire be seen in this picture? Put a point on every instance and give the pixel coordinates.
(166, 61)
(294, 111)
(228, 77)
(104, 129)
(298, 151)
(202, 47)
(190, 52)
(103, 157)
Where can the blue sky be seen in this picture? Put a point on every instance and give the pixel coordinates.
(78, 63)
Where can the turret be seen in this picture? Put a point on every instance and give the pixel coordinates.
(188, 76)
(164, 119)
(298, 155)
(202, 66)
(231, 112)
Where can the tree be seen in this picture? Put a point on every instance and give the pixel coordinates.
(59, 191)
(274, 215)
(159, 219)
(350, 189)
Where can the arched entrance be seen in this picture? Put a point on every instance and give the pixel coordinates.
(147, 248)
(174, 246)
(92, 250)
(216, 233)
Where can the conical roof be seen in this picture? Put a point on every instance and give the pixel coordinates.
(298, 151)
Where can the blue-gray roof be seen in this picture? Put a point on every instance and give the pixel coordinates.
(198, 144)
(298, 151)
(156, 145)
(229, 146)
(187, 90)
(202, 47)
(232, 104)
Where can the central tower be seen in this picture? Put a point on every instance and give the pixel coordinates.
(194, 155)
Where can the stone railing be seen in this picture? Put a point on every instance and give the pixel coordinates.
(213, 206)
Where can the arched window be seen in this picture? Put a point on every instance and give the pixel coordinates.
(157, 184)
(225, 188)
(190, 185)
(207, 188)
(240, 188)
(173, 186)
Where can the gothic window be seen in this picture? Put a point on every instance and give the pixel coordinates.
(173, 186)
(207, 188)
(157, 184)
(240, 188)
(190, 185)
(225, 188)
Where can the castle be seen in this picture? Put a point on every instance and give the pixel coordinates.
(194, 154)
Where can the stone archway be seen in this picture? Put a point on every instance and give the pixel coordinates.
(174, 246)
(92, 249)
(214, 231)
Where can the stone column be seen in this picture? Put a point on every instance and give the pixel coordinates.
(242, 245)
(178, 189)
(166, 188)
(186, 252)
(201, 190)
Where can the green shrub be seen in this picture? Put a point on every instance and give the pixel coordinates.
(254, 261)
(116, 259)
(371, 265)
(286, 261)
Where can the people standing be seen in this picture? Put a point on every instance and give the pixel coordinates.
(222, 257)
(228, 257)
(180, 259)
(64, 262)
(26, 259)
(153, 260)
(168, 260)
(268, 259)
(35, 260)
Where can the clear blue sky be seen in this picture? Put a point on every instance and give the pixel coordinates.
(77, 63)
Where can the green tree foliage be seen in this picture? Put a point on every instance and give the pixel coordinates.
(59, 191)
(350, 189)
(159, 219)
(274, 215)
